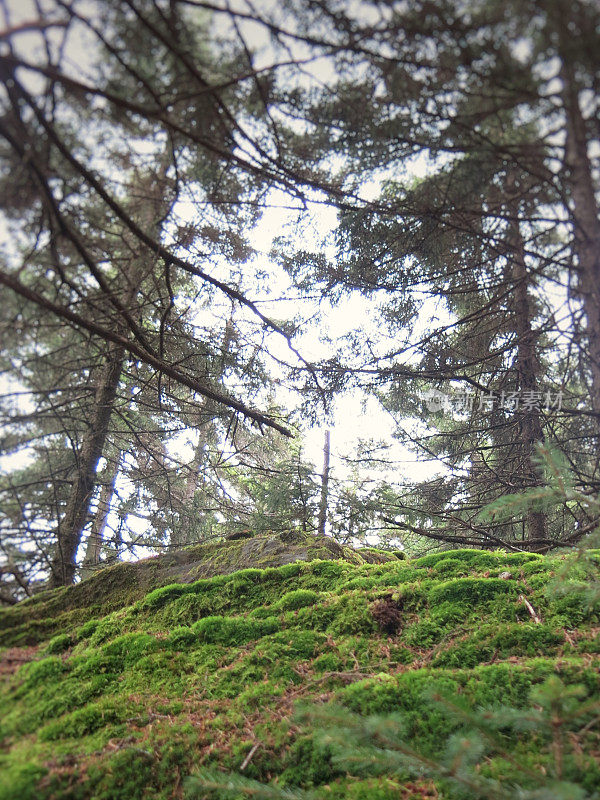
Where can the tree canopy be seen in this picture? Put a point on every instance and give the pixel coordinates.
(191, 189)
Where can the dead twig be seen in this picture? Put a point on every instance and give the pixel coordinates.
(249, 757)
(531, 609)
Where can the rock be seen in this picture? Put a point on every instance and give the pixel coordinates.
(124, 583)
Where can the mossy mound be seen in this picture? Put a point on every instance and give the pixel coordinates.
(122, 584)
(208, 672)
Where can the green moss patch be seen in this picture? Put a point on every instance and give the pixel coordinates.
(127, 703)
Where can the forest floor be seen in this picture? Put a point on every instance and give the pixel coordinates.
(126, 694)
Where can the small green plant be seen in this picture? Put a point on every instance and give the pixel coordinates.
(485, 756)
(579, 575)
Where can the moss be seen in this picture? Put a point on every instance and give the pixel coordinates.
(38, 673)
(300, 598)
(309, 763)
(527, 640)
(490, 641)
(450, 613)
(80, 723)
(298, 644)
(471, 591)
(87, 630)
(20, 781)
(322, 575)
(152, 688)
(524, 558)
(352, 616)
(160, 597)
(409, 694)
(287, 571)
(60, 643)
(474, 558)
(186, 610)
(97, 664)
(67, 608)
(130, 648)
(363, 584)
(424, 634)
(450, 566)
(573, 610)
(380, 553)
(233, 631)
(258, 695)
(328, 662)
(108, 628)
(374, 789)
(182, 637)
(128, 774)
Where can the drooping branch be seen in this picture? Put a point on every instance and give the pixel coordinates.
(159, 364)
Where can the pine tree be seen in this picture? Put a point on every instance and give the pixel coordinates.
(469, 91)
(115, 287)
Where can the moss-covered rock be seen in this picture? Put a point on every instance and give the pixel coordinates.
(64, 609)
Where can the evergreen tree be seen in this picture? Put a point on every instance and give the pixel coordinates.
(491, 103)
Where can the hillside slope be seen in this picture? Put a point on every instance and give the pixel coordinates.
(125, 583)
(131, 701)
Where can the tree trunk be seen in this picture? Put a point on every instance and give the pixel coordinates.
(530, 422)
(324, 486)
(585, 220)
(77, 510)
(94, 543)
(70, 528)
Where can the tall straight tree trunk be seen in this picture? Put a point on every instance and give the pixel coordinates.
(585, 219)
(76, 513)
(96, 537)
(324, 485)
(530, 422)
(70, 529)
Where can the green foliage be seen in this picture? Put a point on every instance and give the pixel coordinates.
(558, 488)
(492, 641)
(20, 781)
(128, 773)
(352, 616)
(186, 609)
(309, 763)
(87, 629)
(130, 648)
(48, 670)
(182, 637)
(160, 597)
(474, 559)
(424, 634)
(106, 629)
(78, 724)
(297, 643)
